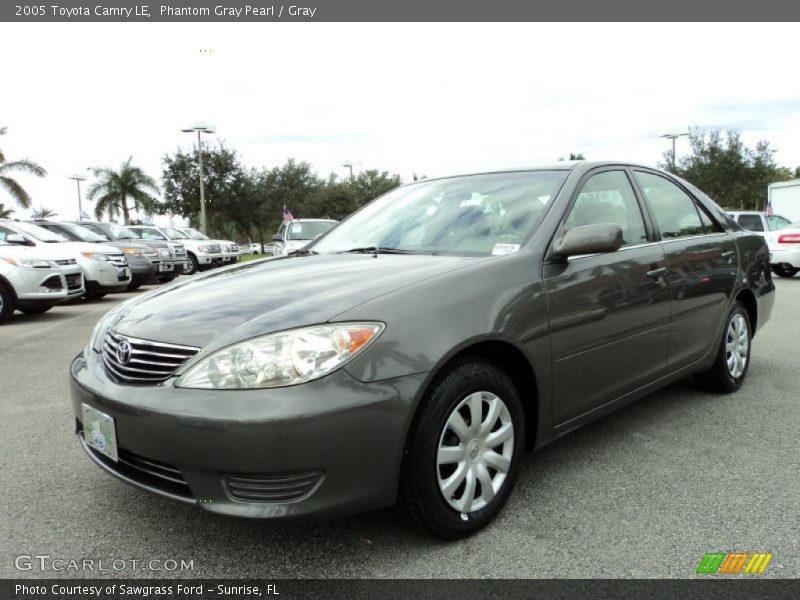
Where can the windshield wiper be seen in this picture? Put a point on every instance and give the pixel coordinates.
(375, 250)
(302, 252)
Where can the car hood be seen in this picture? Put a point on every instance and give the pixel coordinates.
(74, 249)
(260, 297)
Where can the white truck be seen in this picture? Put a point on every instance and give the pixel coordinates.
(784, 198)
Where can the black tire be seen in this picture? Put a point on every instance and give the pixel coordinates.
(35, 310)
(719, 377)
(787, 272)
(135, 285)
(6, 303)
(95, 295)
(195, 266)
(420, 498)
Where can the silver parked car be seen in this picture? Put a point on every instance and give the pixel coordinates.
(32, 280)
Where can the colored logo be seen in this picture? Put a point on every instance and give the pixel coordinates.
(733, 563)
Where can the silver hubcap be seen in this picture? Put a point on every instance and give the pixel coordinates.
(475, 452)
(737, 344)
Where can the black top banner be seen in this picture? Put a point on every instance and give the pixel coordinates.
(399, 10)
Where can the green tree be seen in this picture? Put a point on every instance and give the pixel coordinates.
(224, 179)
(733, 174)
(43, 213)
(114, 188)
(11, 185)
(368, 185)
(573, 156)
(5, 212)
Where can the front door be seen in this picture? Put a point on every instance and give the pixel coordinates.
(609, 313)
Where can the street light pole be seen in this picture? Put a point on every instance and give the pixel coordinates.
(673, 136)
(78, 179)
(201, 127)
(351, 164)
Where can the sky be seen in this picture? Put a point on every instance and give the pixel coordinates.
(431, 99)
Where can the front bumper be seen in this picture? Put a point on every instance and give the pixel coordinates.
(45, 286)
(105, 276)
(343, 436)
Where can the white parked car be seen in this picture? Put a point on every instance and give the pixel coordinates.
(230, 250)
(200, 254)
(33, 280)
(105, 268)
(782, 236)
(294, 235)
(784, 250)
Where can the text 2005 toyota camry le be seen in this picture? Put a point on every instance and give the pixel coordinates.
(413, 353)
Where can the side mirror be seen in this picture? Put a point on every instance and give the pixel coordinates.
(590, 239)
(15, 238)
(277, 238)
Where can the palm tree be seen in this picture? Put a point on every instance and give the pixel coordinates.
(12, 186)
(43, 213)
(114, 188)
(5, 213)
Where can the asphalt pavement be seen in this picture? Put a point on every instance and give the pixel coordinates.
(645, 492)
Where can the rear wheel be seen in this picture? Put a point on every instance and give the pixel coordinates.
(135, 285)
(462, 453)
(6, 303)
(733, 356)
(784, 271)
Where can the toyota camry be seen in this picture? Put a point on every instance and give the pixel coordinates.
(415, 352)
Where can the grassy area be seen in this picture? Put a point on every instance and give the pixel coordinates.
(249, 257)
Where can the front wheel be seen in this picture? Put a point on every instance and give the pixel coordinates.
(733, 356)
(6, 304)
(194, 265)
(462, 453)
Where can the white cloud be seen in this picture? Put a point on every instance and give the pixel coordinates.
(425, 98)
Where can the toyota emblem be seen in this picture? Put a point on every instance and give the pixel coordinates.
(124, 352)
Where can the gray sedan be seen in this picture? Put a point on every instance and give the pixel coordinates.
(413, 353)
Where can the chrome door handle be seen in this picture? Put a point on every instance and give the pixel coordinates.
(657, 273)
(728, 255)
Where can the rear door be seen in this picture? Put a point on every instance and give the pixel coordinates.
(702, 260)
(609, 313)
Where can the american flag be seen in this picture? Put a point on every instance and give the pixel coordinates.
(287, 216)
(769, 210)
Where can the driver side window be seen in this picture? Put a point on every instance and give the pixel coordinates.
(608, 197)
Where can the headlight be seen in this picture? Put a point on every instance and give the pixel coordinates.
(96, 256)
(281, 359)
(134, 251)
(203, 248)
(163, 253)
(28, 263)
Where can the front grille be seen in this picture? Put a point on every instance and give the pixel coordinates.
(66, 262)
(272, 488)
(118, 260)
(74, 281)
(214, 249)
(178, 251)
(53, 283)
(233, 248)
(142, 362)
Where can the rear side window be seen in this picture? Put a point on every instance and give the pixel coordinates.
(608, 198)
(675, 211)
(751, 222)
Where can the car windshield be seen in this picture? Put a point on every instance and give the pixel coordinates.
(148, 234)
(39, 233)
(475, 215)
(80, 233)
(196, 235)
(123, 233)
(174, 234)
(308, 230)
